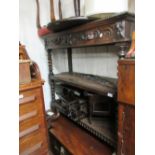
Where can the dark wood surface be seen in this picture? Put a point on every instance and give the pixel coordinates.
(65, 24)
(79, 81)
(126, 82)
(99, 32)
(126, 108)
(126, 130)
(70, 64)
(76, 140)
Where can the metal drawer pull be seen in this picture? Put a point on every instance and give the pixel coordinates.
(28, 115)
(32, 149)
(28, 131)
(27, 99)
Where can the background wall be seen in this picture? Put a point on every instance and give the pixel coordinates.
(100, 60)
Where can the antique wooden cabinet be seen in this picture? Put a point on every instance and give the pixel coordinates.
(32, 124)
(126, 108)
(114, 31)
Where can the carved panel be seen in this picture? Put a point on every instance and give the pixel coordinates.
(99, 34)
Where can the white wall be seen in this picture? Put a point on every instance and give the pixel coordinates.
(100, 60)
(34, 45)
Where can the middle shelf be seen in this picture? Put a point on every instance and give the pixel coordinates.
(97, 84)
(88, 101)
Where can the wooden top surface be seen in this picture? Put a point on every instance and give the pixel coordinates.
(127, 61)
(92, 24)
(76, 140)
(116, 29)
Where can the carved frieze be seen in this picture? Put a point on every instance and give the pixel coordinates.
(99, 34)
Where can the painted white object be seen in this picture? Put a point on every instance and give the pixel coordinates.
(92, 7)
(67, 7)
(105, 6)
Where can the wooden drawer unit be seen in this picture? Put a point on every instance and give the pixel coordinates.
(32, 125)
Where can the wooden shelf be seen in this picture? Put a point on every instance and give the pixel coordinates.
(76, 140)
(103, 128)
(95, 84)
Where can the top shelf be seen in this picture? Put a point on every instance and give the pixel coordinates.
(116, 29)
(62, 25)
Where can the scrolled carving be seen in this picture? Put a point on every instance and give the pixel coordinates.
(100, 32)
(70, 39)
(107, 33)
(57, 40)
(120, 29)
(90, 35)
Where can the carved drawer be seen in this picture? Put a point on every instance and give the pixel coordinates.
(99, 32)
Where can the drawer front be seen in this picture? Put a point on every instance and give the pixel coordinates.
(34, 121)
(28, 115)
(30, 103)
(126, 83)
(33, 142)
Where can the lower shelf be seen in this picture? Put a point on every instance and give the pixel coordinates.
(103, 128)
(77, 141)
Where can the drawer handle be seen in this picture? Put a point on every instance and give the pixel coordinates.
(32, 149)
(28, 131)
(27, 99)
(28, 115)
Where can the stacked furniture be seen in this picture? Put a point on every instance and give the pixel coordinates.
(32, 124)
(67, 135)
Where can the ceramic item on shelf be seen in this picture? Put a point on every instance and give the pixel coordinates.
(106, 8)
